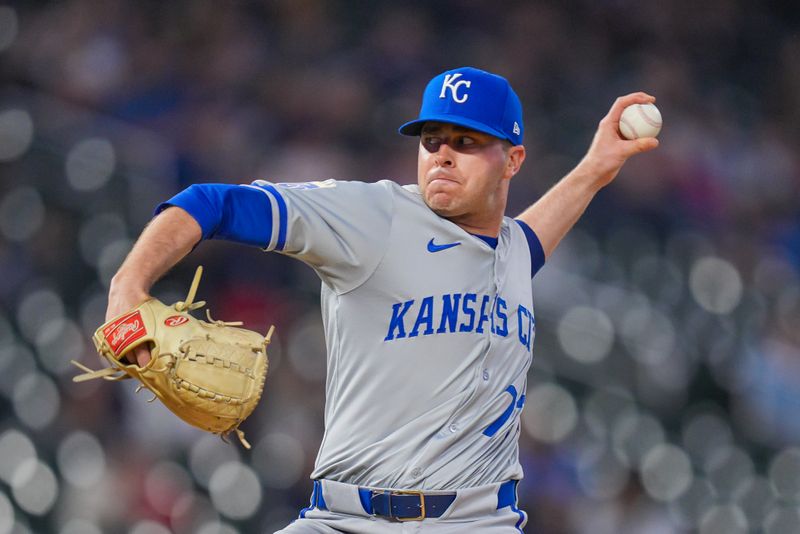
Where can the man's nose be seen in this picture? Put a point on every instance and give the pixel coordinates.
(444, 156)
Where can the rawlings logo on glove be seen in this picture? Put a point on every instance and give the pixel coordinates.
(208, 373)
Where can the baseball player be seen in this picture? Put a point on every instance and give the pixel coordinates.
(426, 304)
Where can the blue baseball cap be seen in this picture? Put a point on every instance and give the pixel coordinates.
(472, 98)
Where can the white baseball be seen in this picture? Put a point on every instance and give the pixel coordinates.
(640, 120)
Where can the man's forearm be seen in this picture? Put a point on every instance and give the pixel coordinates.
(557, 211)
(553, 215)
(163, 243)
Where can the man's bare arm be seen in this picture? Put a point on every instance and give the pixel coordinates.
(557, 211)
(163, 243)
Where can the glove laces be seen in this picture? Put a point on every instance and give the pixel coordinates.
(189, 304)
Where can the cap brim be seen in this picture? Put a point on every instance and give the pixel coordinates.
(414, 127)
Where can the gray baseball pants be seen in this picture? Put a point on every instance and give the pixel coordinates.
(338, 508)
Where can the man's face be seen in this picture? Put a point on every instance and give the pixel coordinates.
(460, 171)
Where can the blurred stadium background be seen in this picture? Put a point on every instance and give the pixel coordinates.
(665, 392)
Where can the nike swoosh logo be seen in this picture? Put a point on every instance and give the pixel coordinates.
(437, 248)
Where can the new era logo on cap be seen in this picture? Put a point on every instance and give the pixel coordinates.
(472, 98)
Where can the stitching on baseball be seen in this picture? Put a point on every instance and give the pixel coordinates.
(646, 118)
(629, 126)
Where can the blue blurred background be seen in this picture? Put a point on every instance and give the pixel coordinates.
(665, 391)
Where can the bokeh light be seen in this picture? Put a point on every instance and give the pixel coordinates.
(110, 258)
(99, 231)
(36, 400)
(164, 483)
(551, 413)
(603, 407)
(191, 511)
(704, 433)
(635, 434)
(206, 455)
(15, 449)
(36, 309)
(6, 514)
(306, 348)
(724, 519)
(22, 213)
(728, 468)
(93, 309)
(9, 26)
(217, 528)
(81, 459)
(648, 334)
(16, 360)
(756, 499)
(689, 509)
(59, 341)
(782, 520)
(90, 164)
(601, 475)
(16, 127)
(784, 473)
(235, 490)
(34, 486)
(659, 278)
(586, 334)
(79, 526)
(149, 527)
(666, 472)
(279, 460)
(716, 285)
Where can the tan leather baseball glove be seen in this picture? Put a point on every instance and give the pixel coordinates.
(208, 373)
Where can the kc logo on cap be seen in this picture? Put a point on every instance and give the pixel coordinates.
(448, 84)
(474, 99)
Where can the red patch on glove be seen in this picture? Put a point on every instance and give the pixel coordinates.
(124, 331)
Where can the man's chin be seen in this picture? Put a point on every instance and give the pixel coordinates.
(440, 206)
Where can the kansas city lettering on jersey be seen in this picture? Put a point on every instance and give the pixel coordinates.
(457, 312)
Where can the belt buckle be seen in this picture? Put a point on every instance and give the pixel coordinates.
(421, 495)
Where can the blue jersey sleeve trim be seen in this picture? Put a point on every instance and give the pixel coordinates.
(207, 213)
(226, 211)
(535, 246)
(282, 213)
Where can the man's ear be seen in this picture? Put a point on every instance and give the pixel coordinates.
(514, 160)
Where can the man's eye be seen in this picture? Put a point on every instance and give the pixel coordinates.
(432, 143)
(466, 141)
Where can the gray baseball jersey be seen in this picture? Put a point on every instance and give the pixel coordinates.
(429, 333)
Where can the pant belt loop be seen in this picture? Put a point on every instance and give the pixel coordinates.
(319, 500)
(507, 494)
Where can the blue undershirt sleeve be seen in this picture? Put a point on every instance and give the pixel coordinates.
(537, 252)
(231, 212)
